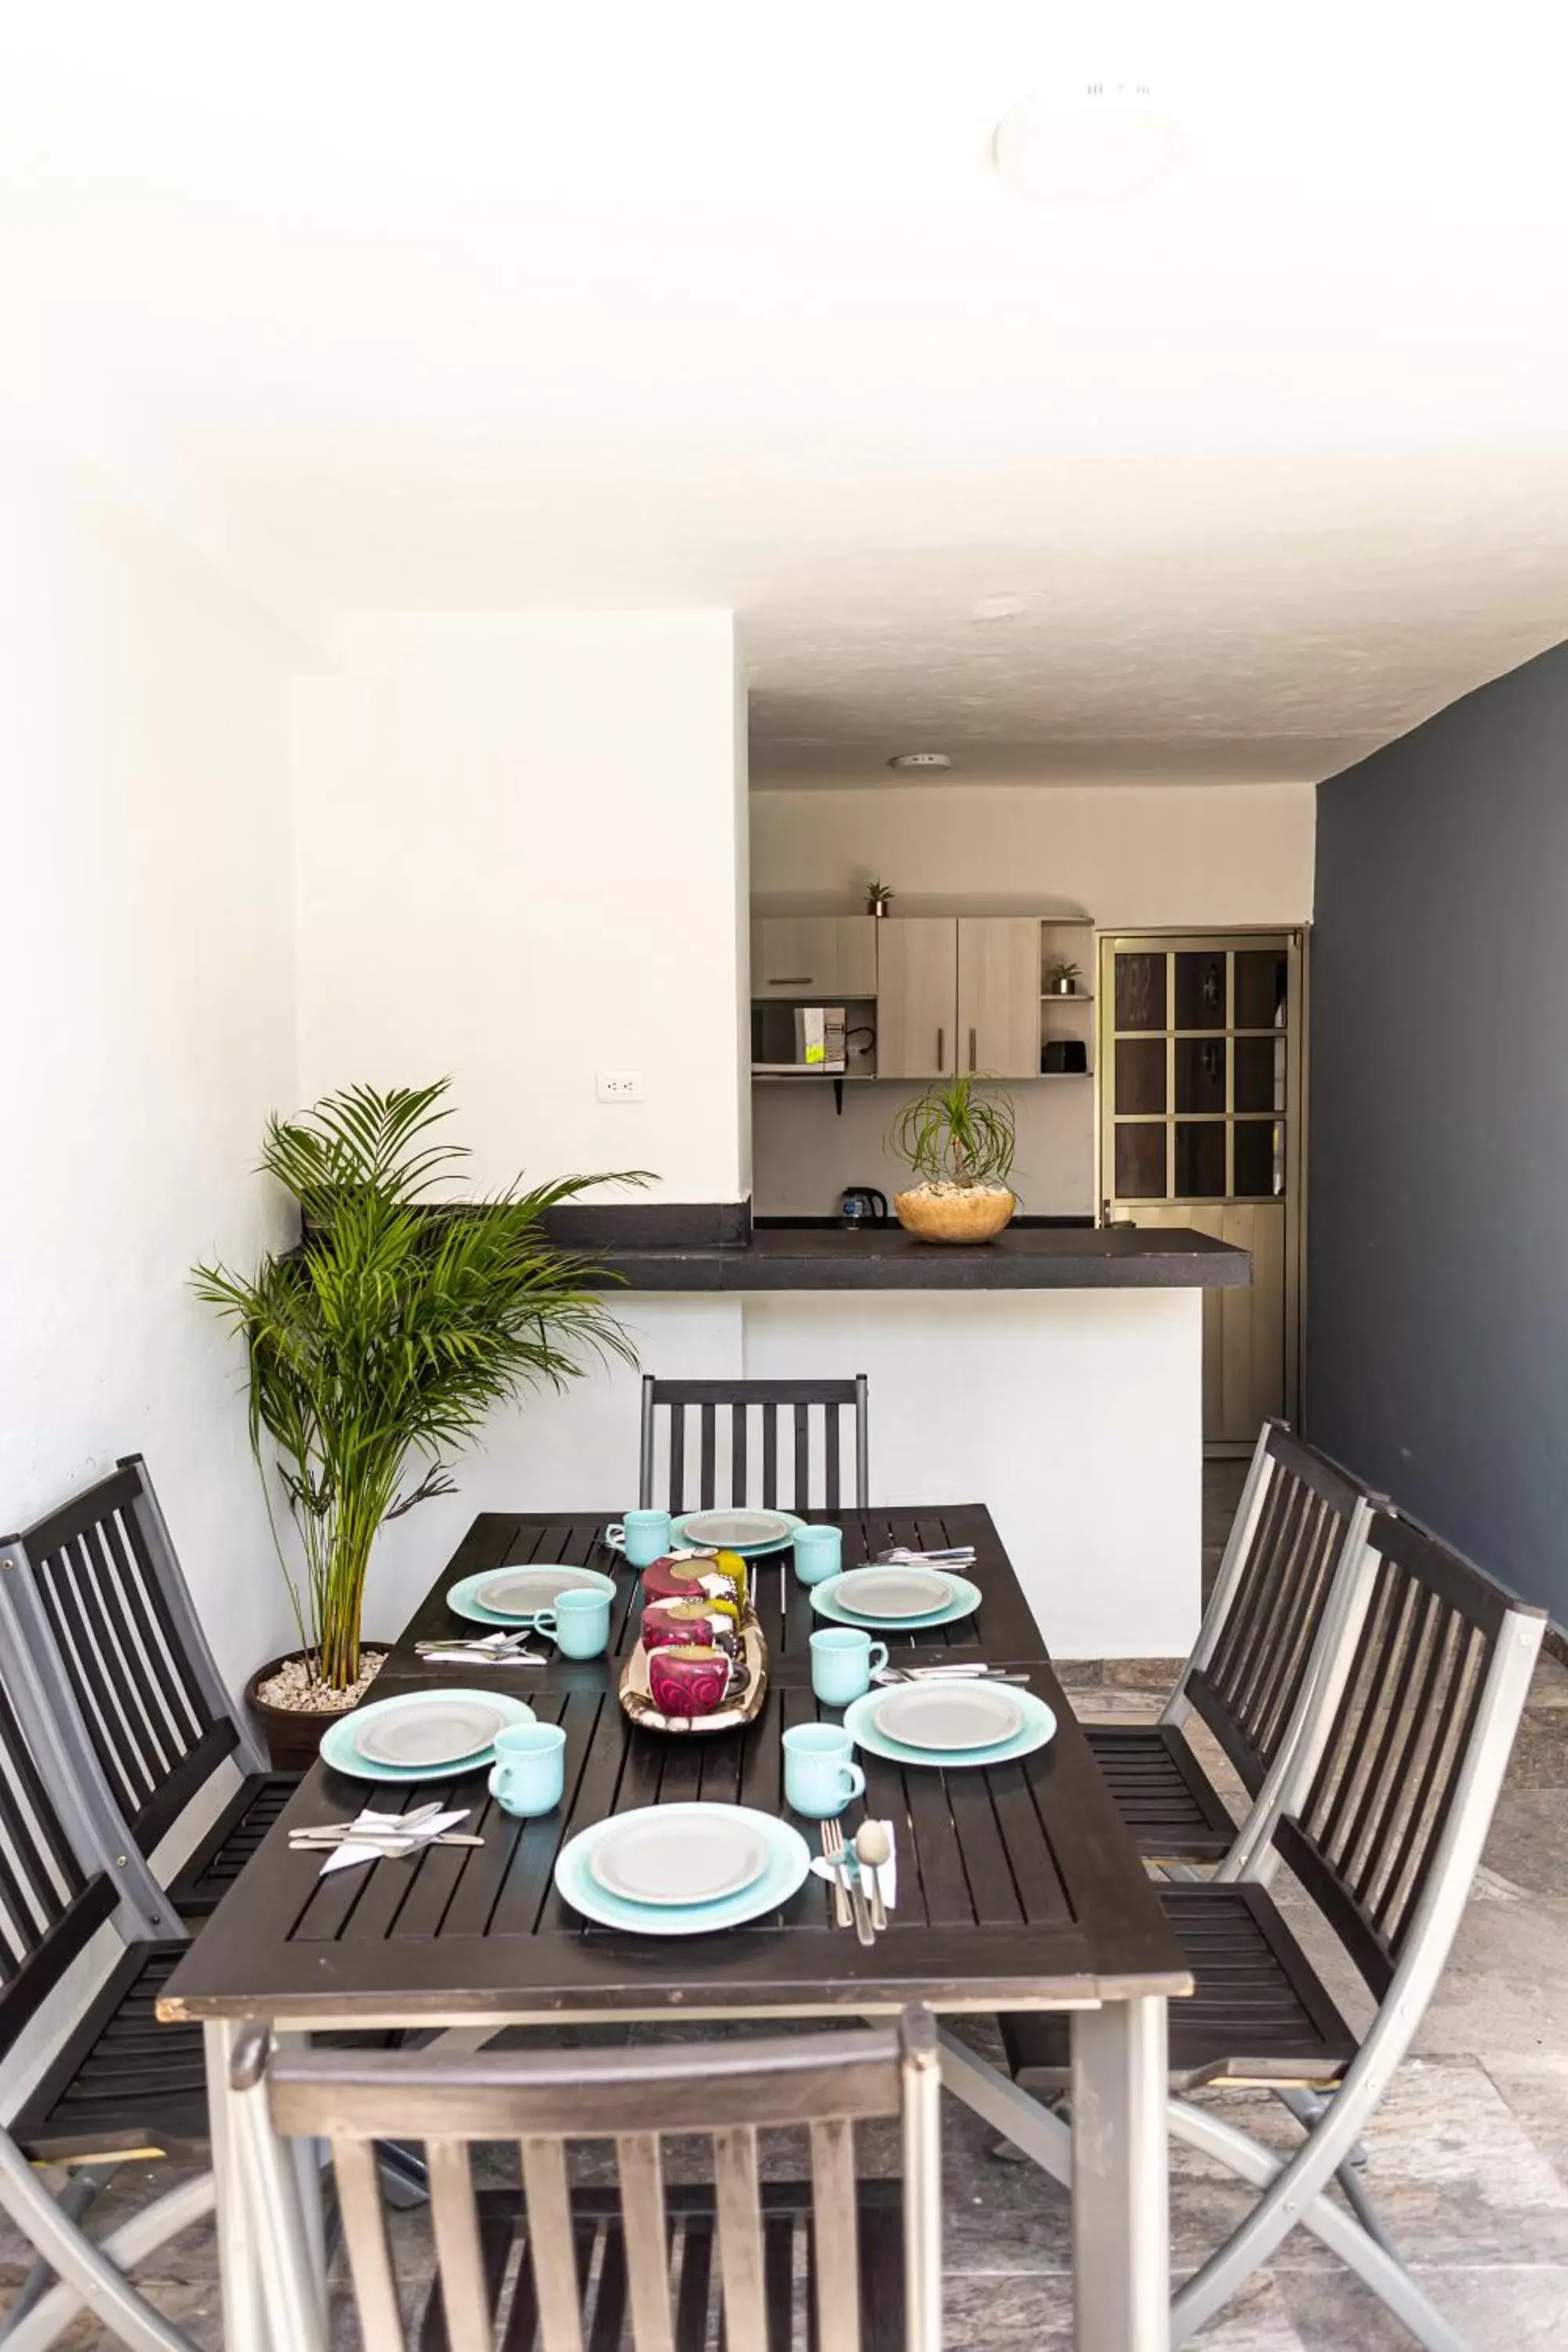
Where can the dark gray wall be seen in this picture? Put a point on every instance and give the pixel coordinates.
(1437, 1241)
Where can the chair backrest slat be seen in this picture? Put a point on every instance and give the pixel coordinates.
(837, 2241)
(356, 2175)
(811, 1452)
(1249, 1670)
(55, 1889)
(1364, 1824)
(736, 2197)
(729, 2093)
(557, 2289)
(455, 2222)
(95, 1595)
(646, 2247)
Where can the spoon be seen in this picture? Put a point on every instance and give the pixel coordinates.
(873, 1846)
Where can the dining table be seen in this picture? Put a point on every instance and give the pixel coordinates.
(1017, 1887)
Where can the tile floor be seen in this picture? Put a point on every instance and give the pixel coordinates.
(1468, 2155)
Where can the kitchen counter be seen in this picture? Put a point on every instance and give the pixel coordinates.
(885, 1257)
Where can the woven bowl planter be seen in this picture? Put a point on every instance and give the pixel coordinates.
(972, 1216)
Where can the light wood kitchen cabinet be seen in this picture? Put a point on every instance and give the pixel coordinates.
(916, 996)
(814, 955)
(999, 995)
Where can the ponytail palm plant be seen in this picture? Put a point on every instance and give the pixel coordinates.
(378, 1348)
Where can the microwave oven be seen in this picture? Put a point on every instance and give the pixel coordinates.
(804, 1041)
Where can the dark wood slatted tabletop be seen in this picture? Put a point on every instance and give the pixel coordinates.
(1018, 1885)
(1003, 1628)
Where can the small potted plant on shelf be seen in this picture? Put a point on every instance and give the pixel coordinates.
(1063, 979)
(377, 1348)
(957, 1141)
(878, 897)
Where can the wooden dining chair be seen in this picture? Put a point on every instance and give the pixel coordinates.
(92, 1601)
(1300, 1523)
(870, 2250)
(117, 2085)
(1382, 1818)
(804, 1476)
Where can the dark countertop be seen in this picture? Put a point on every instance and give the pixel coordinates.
(1023, 1258)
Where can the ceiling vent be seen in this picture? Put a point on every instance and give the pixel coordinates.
(906, 762)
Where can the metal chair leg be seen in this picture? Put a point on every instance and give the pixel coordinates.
(1310, 2110)
(81, 2190)
(95, 2275)
(1343, 2235)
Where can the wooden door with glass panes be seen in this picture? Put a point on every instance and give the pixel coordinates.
(1200, 1125)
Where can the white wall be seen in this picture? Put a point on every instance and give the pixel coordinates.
(1132, 857)
(147, 1021)
(519, 842)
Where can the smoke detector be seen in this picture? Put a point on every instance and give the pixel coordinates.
(918, 762)
(1096, 142)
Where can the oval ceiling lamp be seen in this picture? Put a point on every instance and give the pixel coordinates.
(1098, 143)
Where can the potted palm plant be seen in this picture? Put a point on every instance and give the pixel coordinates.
(377, 1350)
(957, 1141)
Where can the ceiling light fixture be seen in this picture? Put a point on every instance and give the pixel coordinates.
(997, 608)
(1098, 143)
(905, 760)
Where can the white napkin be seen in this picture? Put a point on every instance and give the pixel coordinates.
(343, 1856)
(466, 1657)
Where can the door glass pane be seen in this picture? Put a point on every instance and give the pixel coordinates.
(1259, 1159)
(1141, 992)
(1141, 1162)
(1200, 1159)
(1140, 1073)
(1261, 988)
(1260, 1072)
(1200, 990)
(1200, 1074)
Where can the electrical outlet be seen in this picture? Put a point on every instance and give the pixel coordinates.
(618, 1086)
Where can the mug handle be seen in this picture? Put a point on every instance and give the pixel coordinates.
(856, 1780)
(616, 1534)
(493, 1782)
(544, 1622)
(877, 1656)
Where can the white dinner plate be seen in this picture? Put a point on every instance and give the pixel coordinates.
(891, 1594)
(427, 1728)
(724, 1530)
(520, 1592)
(922, 1715)
(642, 1859)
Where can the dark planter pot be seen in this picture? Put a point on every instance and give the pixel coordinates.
(292, 1738)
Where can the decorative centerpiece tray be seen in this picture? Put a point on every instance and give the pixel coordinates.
(742, 1706)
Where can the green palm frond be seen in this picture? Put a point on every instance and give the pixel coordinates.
(379, 1349)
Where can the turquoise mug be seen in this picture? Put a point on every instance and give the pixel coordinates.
(579, 1624)
(818, 1553)
(843, 1661)
(820, 1773)
(642, 1536)
(528, 1775)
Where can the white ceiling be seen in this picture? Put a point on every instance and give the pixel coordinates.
(477, 307)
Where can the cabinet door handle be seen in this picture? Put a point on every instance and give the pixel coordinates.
(789, 979)
(972, 1049)
(941, 1047)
